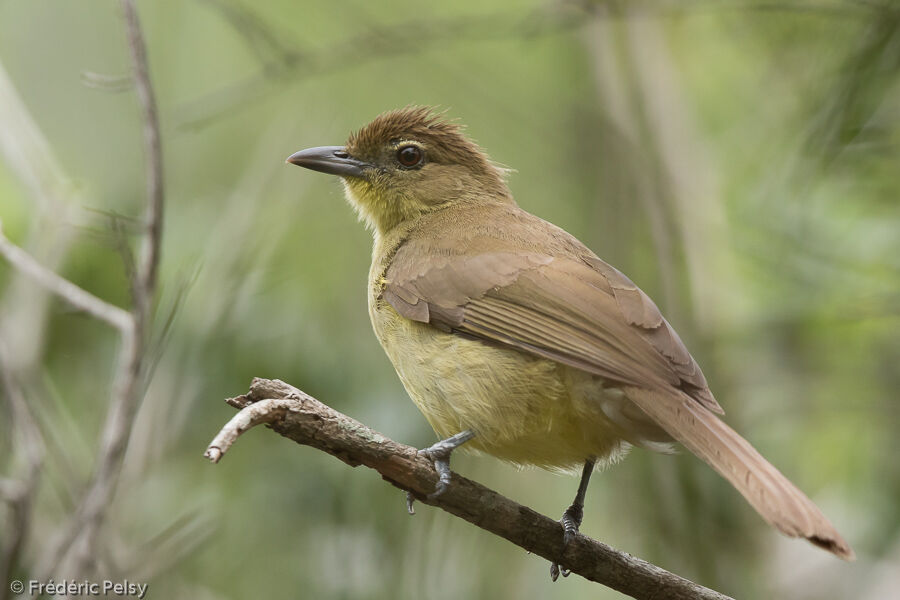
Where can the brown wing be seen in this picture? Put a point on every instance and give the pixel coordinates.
(586, 314)
(583, 313)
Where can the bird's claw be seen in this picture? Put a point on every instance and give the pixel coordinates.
(570, 522)
(556, 571)
(439, 455)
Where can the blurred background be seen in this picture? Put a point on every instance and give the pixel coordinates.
(740, 161)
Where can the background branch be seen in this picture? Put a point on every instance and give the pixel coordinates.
(79, 540)
(285, 62)
(65, 289)
(300, 417)
(19, 494)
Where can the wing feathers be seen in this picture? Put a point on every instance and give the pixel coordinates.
(583, 313)
(542, 336)
(409, 306)
(580, 311)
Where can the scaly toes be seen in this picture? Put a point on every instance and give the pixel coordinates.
(570, 522)
(569, 533)
(440, 457)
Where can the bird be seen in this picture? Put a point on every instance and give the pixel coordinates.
(514, 339)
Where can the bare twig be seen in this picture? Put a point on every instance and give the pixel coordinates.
(149, 262)
(128, 386)
(265, 411)
(23, 315)
(21, 499)
(300, 417)
(263, 39)
(108, 83)
(294, 63)
(65, 289)
(79, 539)
(283, 62)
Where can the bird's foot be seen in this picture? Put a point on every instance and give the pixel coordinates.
(570, 521)
(439, 454)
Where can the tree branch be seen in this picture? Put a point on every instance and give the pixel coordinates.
(300, 417)
(65, 289)
(79, 539)
(153, 219)
(21, 498)
(286, 62)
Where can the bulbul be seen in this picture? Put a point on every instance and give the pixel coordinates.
(513, 338)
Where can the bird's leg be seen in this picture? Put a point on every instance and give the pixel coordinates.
(571, 519)
(439, 454)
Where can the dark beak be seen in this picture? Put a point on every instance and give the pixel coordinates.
(333, 160)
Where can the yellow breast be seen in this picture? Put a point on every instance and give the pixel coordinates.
(522, 408)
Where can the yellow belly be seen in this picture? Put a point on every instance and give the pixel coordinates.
(523, 409)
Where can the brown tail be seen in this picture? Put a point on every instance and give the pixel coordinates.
(775, 498)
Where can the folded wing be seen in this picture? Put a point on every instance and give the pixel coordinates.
(580, 311)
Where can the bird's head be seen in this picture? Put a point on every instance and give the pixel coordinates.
(406, 163)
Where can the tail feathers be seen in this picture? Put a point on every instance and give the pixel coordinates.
(775, 498)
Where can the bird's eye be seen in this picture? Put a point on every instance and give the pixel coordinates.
(410, 156)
